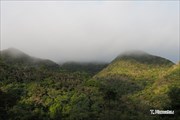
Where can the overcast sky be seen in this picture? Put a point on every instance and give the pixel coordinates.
(91, 30)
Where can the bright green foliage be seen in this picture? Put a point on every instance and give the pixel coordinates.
(55, 111)
(157, 95)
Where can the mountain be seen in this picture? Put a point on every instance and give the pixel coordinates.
(127, 89)
(143, 57)
(18, 58)
(91, 68)
(135, 66)
(142, 82)
(134, 71)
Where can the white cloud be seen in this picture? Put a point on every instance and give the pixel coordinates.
(90, 31)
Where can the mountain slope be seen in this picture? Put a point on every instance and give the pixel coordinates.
(133, 72)
(141, 82)
(91, 68)
(143, 57)
(135, 66)
(16, 57)
(158, 95)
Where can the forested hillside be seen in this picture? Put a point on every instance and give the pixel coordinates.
(16, 57)
(91, 68)
(126, 89)
(143, 82)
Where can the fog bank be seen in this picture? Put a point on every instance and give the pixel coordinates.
(90, 31)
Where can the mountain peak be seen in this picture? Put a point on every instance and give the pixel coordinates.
(134, 53)
(17, 57)
(13, 52)
(143, 57)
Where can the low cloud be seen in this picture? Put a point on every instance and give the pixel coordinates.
(90, 31)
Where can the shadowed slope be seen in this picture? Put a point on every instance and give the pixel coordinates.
(16, 57)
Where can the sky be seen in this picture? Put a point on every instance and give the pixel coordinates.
(85, 31)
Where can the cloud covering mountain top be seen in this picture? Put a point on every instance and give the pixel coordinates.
(90, 30)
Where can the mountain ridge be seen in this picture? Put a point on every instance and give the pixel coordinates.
(143, 57)
(14, 56)
(133, 61)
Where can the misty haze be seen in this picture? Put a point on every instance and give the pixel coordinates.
(90, 31)
(89, 60)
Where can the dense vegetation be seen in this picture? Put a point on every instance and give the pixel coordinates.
(91, 68)
(126, 89)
